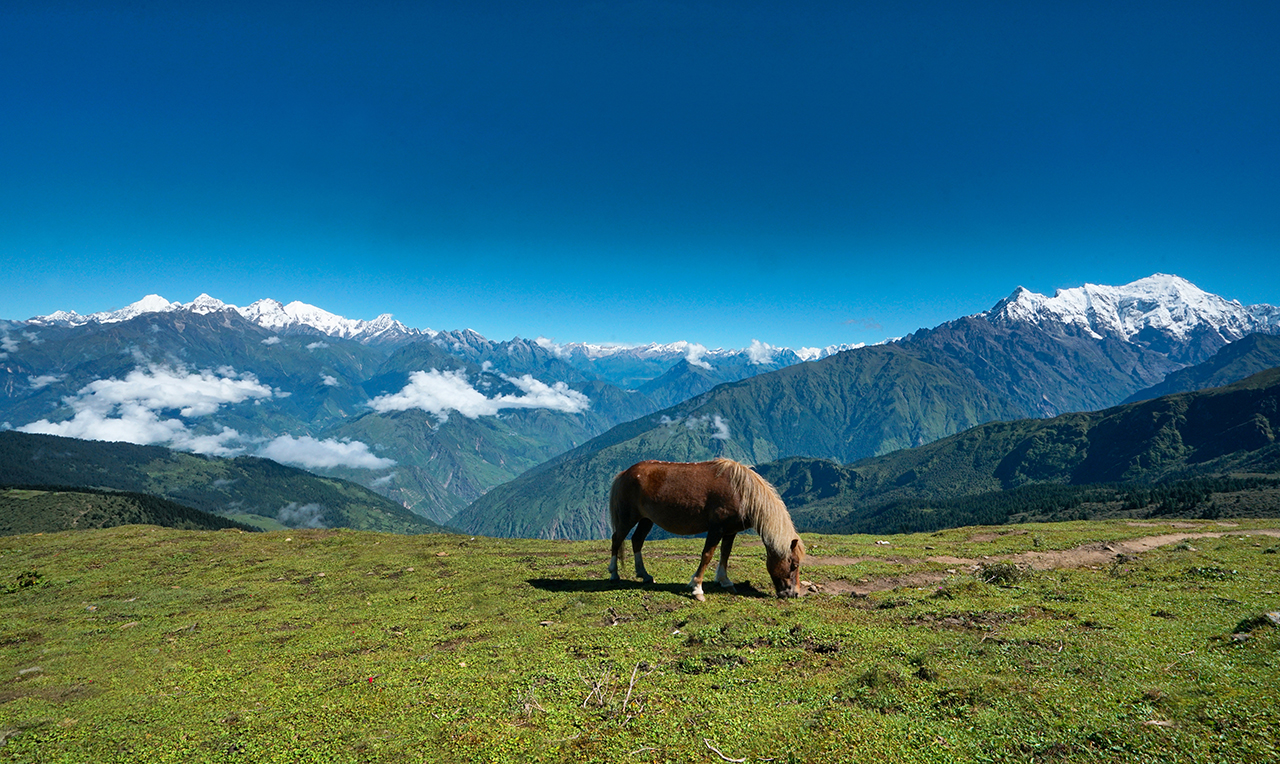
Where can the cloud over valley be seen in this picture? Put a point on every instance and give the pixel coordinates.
(310, 453)
(134, 409)
(439, 392)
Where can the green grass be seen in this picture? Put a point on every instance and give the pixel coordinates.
(152, 645)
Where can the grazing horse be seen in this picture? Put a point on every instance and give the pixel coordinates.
(721, 497)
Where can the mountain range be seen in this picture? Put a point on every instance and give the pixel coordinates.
(521, 437)
(1028, 357)
(431, 419)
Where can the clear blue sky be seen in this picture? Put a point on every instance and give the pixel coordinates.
(798, 173)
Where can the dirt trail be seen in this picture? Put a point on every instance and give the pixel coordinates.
(1095, 555)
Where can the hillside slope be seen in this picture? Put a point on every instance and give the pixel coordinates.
(1240, 359)
(48, 511)
(1224, 430)
(244, 487)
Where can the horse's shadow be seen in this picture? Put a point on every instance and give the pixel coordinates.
(743, 588)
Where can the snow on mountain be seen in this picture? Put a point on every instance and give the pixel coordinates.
(1169, 305)
(757, 352)
(269, 314)
(152, 303)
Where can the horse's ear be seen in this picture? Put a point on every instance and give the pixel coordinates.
(795, 543)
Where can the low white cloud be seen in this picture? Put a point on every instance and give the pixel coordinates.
(328, 380)
(761, 352)
(294, 515)
(694, 353)
(719, 428)
(439, 392)
(383, 481)
(272, 340)
(317, 345)
(7, 343)
(131, 409)
(312, 453)
(44, 380)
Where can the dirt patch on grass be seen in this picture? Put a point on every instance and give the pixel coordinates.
(978, 537)
(841, 560)
(882, 584)
(51, 694)
(1096, 555)
(1105, 553)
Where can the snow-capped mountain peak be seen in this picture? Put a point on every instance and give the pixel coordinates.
(206, 304)
(1169, 305)
(269, 314)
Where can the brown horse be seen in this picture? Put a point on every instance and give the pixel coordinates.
(720, 497)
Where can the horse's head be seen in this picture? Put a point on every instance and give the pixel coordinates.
(785, 570)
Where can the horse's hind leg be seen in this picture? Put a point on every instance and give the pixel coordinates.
(722, 571)
(619, 537)
(637, 541)
(708, 549)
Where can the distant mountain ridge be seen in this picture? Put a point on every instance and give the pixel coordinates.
(299, 316)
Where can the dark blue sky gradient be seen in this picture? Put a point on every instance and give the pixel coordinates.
(801, 174)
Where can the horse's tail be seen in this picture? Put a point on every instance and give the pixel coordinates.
(761, 507)
(617, 512)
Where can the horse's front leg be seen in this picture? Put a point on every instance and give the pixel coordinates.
(708, 550)
(637, 542)
(722, 571)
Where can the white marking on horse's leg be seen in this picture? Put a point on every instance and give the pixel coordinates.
(613, 568)
(641, 573)
(722, 577)
(697, 589)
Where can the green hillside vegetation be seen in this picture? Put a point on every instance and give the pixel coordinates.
(245, 487)
(1224, 431)
(33, 510)
(1240, 359)
(143, 644)
(849, 405)
(1206, 498)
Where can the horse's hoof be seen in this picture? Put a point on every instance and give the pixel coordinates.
(615, 577)
(647, 580)
(730, 589)
(700, 597)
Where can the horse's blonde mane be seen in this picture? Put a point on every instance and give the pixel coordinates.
(761, 507)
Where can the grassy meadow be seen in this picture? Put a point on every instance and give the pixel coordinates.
(151, 645)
